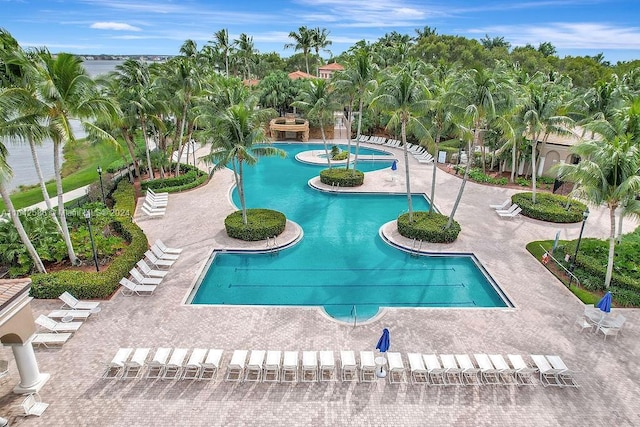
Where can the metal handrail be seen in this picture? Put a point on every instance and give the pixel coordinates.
(561, 266)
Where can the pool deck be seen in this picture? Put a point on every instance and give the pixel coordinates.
(542, 322)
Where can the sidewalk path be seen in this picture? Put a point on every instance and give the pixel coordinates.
(66, 197)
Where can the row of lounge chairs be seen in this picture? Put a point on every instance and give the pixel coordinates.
(144, 279)
(419, 153)
(71, 315)
(314, 366)
(155, 204)
(506, 209)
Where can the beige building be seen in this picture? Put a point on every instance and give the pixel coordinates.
(326, 71)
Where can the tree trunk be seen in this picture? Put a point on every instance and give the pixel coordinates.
(355, 162)
(461, 190)
(406, 169)
(130, 147)
(326, 147)
(306, 60)
(240, 185)
(61, 211)
(128, 168)
(143, 124)
(533, 169)
(433, 175)
(20, 229)
(43, 187)
(182, 126)
(619, 233)
(514, 162)
(349, 134)
(612, 244)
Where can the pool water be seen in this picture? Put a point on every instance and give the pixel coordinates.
(341, 264)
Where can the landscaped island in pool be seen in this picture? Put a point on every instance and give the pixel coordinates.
(341, 262)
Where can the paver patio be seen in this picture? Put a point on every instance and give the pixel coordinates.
(542, 322)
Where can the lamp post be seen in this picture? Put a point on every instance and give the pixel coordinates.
(104, 202)
(572, 266)
(87, 216)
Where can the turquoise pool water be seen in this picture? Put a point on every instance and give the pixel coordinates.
(341, 262)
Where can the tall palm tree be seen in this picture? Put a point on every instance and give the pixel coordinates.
(403, 97)
(246, 52)
(68, 92)
(317, 99)
(320, 40)
(224, 46)
(608, 171)
(235, 133)
(303, 40)
(11, 126)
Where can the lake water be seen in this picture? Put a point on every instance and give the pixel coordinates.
(20, 155)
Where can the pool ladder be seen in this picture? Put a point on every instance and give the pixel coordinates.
(272, 243)
(416, 247)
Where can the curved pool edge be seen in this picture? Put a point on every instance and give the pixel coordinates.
(389, 239)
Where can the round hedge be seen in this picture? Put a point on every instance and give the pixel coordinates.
(550, 207)
(342, 177)
(429, 227)
(261, 223)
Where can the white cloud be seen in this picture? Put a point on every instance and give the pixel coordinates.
(116, 26)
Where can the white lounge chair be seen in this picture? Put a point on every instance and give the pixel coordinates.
(157, 195)
(154, 203)
(56, 327)
(161, 255)
(253, 370)
(32, 405)
(115, 368)
(565, 376)
(309, 366)
(327, 366)
(505, 372)
(150, 272)
(418, 370)
(524, 373)
(134, 367)
(173, 369)
(157, 262)
(488, 372)
(289, 367)
(348, 366)
(501, 206)
(470, 374)
(435, 371)
(156, 366)
(72, 302)
(50, 339)
(211, 365)
(367, 366)
(235, 369)
(142, 280)
(66, 314)
(129, 288)
(510, 209)
(272, 366)
(167, 250)
(452, 373)
(191, 370)
(152, 213)
(397, 373)
(548, 374)
(513, 214)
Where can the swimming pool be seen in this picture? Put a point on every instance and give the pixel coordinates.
(341, 264)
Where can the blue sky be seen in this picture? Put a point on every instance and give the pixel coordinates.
(574, 27)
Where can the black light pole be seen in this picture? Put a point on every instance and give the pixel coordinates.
(104, 201)
(87, 216)
(585, 215)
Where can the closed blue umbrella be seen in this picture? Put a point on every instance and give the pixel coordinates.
(383, 342)
(605, 303)
(394, 165)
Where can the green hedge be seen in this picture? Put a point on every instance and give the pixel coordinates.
(428, 227)
(549, 207)
(342, 177)
(91, 285)
(261, 223)
(190, 178)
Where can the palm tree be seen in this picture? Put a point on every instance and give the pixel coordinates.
(608, 170)
(403, 97)
(320, 40)
(303, 40)
(12, 125)
(246, 52)
(234, 133)
(317, 100)
(222, 44)
(68, 92)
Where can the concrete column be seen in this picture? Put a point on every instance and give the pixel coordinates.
(31, 380)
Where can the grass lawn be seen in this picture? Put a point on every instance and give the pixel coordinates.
(79, 169)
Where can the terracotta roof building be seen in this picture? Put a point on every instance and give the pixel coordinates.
(326, 71)
(299, 75)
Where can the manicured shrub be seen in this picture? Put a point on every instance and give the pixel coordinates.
(100, 285)
(549, 207)
(429, 227)
(625, 297)
(261, 223)
(190, 178)
(342, 177)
